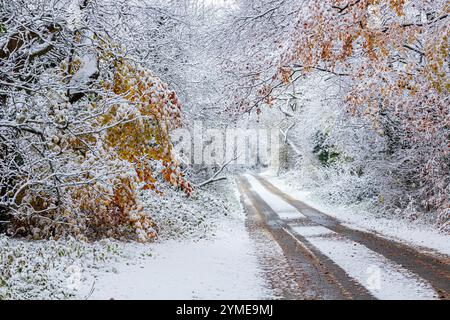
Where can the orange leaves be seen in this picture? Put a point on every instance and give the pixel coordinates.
(369, 38)
(437, 53)
(174, 176)
(326, 50)
(265, 94)
(113, 212)
(144, 137)
(285, 74)
(397, 6)
(144, 174)
(347, 47)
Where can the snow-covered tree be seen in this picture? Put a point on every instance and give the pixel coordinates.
(84, 124)
(389, 60)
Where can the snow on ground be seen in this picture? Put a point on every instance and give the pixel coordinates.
(283, 209)
(382, 277)
(419, 235)
(224, 267)
(51, 269)
(204, 252)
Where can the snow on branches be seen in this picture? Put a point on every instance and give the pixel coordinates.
(83, 128)
(391, 58)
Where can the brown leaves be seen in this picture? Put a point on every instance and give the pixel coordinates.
(347, 47)
(397, 6)
(285, 75)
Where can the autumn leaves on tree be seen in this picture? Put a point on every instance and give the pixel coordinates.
(392, 61)
(85, 125)
(84, 129)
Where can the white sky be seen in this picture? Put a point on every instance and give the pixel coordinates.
(219, 2)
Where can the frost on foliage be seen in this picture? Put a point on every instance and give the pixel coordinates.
(83, 127)
(49, 269)
(195, 217)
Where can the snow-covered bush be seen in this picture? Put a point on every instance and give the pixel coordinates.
(49, 269)
(83, 126)
(194, 217)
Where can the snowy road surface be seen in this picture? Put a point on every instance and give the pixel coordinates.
(350, 263)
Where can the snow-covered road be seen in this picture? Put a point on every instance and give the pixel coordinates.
(361, 264)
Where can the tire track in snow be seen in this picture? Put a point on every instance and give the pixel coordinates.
(361, 260)
(435, 269)
(383, 278)
(321, 273)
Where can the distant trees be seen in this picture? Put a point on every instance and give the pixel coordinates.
(84, 126)
(390, 61)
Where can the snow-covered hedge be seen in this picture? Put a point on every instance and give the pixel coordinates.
(179, 216)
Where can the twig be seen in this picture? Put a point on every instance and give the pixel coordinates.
(214, 177)
(91, 291)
